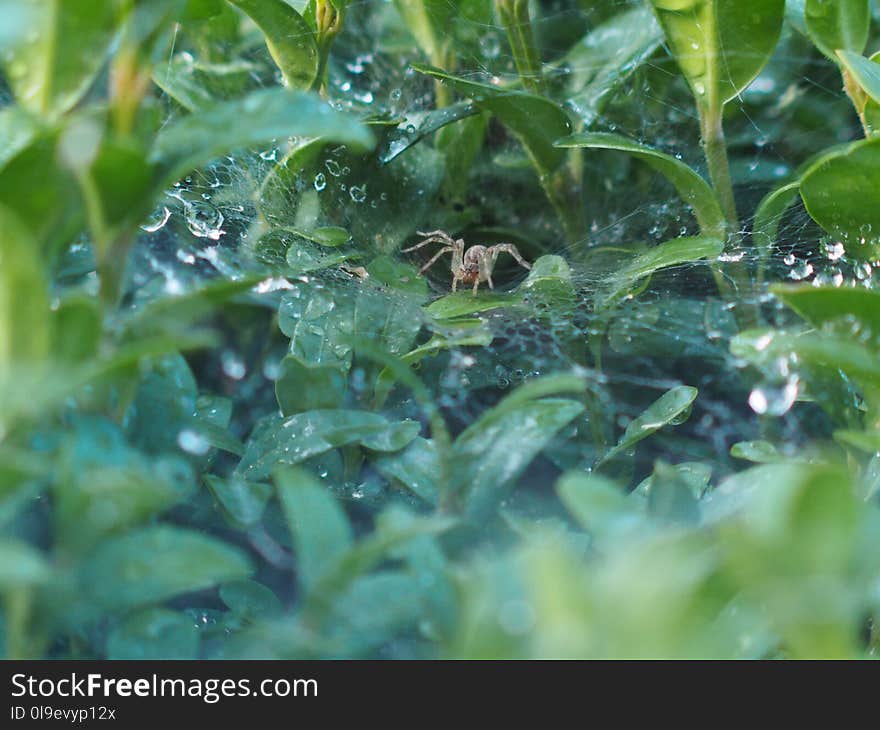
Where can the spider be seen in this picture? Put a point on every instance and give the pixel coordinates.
(473, 266)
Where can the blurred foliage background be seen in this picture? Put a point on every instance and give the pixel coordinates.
(236, 422)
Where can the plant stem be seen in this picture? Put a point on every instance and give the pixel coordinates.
(514, 15)
(715, 149)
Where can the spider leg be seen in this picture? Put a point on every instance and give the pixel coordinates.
(431, 239)
(438, 234)
(476, 285)
(454, 283)
(512, 250)
(445, 249)
(487, 264)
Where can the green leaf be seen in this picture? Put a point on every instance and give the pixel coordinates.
(464, 304)
(825, 304)
(609, 54)
(24, 303)
(244, 501)
(494, 450)
(271, 114)
(52, 50)
(662, 256)
(154, 564)
(250, 599)
(21, 565)
(670, 408)
(17, 129)
(417, 125)
(320, 529)
(720, 45)
(758, 452)
(838, 25)
(842, 193)
(289, 38)
(769, 215)
(692, 188)
(303, 386)
(416, 468)
(43, 194)
(865, 71)
(536, 121)
(154, 633)
(599, 505)
(293, 440)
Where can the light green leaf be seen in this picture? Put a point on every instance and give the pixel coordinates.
(52, 50)
(320, 529)
(670, 408)
(24, 303)
(692, 188)
(289, 38)
(758, 452)
(270, 114)
(154, 564)
(21, 565)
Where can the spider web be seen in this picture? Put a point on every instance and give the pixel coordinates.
(676, 332)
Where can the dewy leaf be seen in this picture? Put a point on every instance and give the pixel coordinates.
(320, 528)
(244, 501)
(154, 564)
(692, 188)
(720, 45)
(293, 440)
(262, 115)
(536, 121)
(52, 50)
(607, 56)
(17, 129)
(842, 194)
(24, 303)
(289, 38)
(838, 25)
(670, 408)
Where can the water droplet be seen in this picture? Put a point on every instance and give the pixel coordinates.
(320, 182)
(193, 442)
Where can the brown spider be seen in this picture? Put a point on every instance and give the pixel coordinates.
(473, 266)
